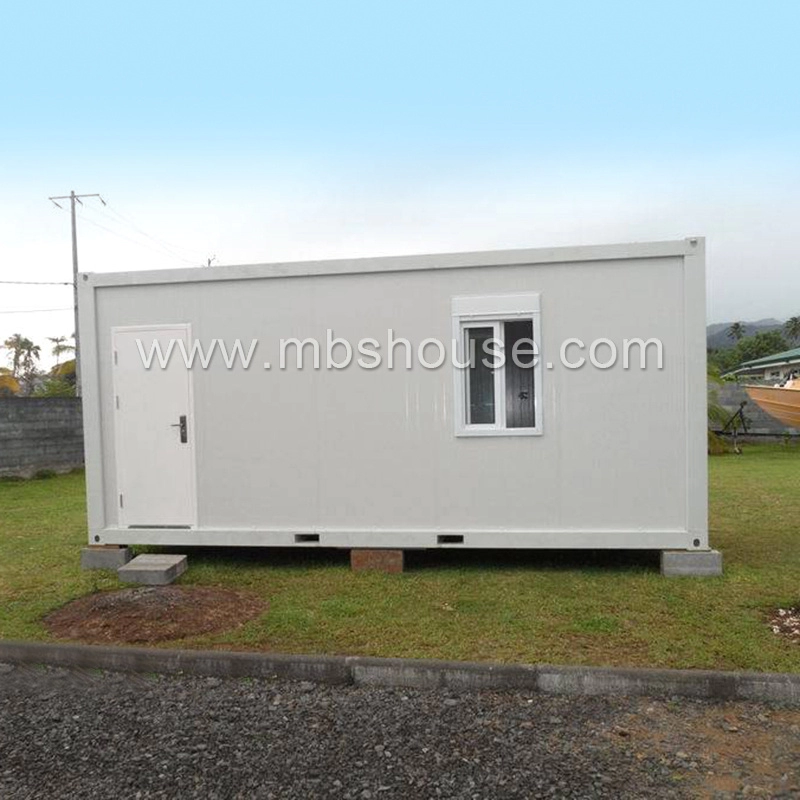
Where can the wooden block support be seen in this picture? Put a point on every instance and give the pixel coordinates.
(382, 560)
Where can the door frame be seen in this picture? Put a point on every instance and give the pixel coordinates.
(183, 327)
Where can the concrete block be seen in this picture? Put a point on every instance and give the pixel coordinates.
(105, 557)
(381, 560)
(153, 569)
(699, 563)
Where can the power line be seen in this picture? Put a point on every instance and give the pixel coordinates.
(118, 218)
(32, 310)
(37, 283)
(135, 241)
(163, 249)
(162, 246)
(128, 221)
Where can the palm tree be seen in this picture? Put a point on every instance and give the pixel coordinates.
(16, 344)
(792, 328)
(23, 358)
(736, 331)
(30, 356)
(60, 346)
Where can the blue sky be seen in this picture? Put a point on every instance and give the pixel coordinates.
(270, 131)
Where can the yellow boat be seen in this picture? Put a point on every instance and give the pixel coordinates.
(781, 402)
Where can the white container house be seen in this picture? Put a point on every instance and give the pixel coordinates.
(551, 456)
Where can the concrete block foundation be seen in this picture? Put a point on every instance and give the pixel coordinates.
(380, 560)
(153, 569)
(105, 556)
(696, 563)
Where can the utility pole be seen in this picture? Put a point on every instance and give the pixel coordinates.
(75, 198)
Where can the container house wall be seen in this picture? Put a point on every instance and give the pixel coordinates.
(370, 458)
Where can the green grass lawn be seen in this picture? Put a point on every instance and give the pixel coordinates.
(566, 608)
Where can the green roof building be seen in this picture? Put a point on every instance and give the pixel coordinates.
(773, 368)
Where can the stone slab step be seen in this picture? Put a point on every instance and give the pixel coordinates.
(153, 569)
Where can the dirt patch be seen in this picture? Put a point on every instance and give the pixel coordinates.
(786, 622)
(721, 750)
(153, 614)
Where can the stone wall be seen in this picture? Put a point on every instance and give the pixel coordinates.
(40, 434)
(47, 433)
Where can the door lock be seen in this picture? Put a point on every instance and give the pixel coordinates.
(181, 425)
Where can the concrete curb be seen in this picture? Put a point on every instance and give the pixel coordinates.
(762, 687)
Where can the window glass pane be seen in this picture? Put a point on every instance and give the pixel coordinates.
(480, 378)
(520, 411)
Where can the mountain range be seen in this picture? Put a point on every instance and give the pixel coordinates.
(717, 334)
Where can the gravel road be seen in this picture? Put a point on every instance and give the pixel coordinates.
(75, 734)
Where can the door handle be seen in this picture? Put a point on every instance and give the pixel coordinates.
(181, 424)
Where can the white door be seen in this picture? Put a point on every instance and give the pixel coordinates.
(154, 428)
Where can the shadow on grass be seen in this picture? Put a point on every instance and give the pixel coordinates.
(424, 560)
(534, 559)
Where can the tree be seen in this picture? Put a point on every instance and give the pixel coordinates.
(792, 329)
(23, 357)
(764, 343)
(737, 331)
(15, 344)
(9, 385)
(55, 387)
(60, 346)
(60, 382)
(24, 354)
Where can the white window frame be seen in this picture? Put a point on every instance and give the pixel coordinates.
(490, 311)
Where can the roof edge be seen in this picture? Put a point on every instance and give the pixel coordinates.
(550, 255)
(777, 358)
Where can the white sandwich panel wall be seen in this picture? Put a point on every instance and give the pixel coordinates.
(373, 457)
